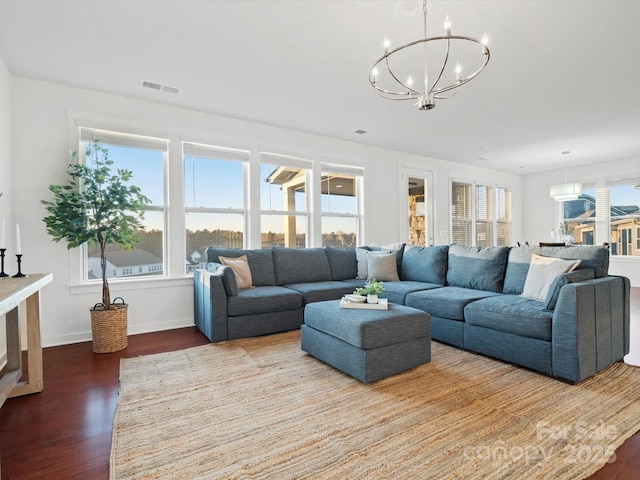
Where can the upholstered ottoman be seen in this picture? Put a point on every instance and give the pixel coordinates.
(367, 344)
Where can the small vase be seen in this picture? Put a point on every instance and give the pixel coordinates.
(372, 298)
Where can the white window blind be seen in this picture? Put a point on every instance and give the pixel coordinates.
(212, 152)
(123, 139)
(484, 215)
(461, 213)
(603, 212)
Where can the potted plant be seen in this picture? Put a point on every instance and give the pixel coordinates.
(98, 207)
(371, 289)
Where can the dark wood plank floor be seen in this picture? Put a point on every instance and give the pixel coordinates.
(65, 431)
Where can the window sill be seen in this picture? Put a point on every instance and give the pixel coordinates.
(127, 285)
(624, 258)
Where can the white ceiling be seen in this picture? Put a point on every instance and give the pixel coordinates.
(563, 75)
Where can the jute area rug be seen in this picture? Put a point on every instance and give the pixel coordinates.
(261, 408)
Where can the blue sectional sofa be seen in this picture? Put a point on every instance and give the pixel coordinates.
(473, 296)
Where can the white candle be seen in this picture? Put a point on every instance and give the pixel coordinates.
(18, 243)
(3, 238)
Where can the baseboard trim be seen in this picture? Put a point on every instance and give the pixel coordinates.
(57, 340)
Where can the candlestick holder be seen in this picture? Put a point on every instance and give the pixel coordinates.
(2, 274)
(19, 274)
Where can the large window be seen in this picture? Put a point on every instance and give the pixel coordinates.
(214, 198)
(283, 201)
(606, 212)
(146, 157)
(480, 214)
(339, 188)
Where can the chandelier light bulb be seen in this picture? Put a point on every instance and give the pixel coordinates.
(458, 71)
(410, 80)
(374, 72)
(447, 25)
(386, 43)
(485, 39)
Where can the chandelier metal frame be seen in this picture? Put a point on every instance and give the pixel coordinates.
(426, 98)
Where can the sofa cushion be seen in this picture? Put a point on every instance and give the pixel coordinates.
(445, 302)
(425, 264)
(260, 262)
(354, 282)
(512, 314)
(595, 258)
(321, 291)
(542, 273)
(342, 262)
(396, 292)
(476, 267)
(300, 265)
(228, 277)
(565, 279)
(265, 299)
(240, 267)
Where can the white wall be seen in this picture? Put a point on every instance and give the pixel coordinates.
(6, 164)
(5, 181)
(41, 148)
(542, 213)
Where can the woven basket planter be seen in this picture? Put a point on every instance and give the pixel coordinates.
(109, 327)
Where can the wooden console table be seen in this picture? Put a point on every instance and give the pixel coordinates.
(14, 291)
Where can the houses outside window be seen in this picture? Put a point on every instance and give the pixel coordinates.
(606, 212)
(284, 207)
(340, 202)
(146, 157)
(214, 198)
(480, 214)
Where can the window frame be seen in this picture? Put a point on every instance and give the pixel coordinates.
(328, 168)
(602, 222)
(282, 160)
(86, 131)
(216, 153)
(473, 221)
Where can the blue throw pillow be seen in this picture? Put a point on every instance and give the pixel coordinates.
(342, 262)
(425, 264)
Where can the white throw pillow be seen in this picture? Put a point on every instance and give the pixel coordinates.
(542, 273)
(240, 266)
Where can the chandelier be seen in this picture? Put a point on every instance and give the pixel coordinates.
(394, 75)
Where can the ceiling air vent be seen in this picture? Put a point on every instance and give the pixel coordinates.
(162, 88)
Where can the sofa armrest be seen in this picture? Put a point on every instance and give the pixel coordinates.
(590, 327)
(210, 305)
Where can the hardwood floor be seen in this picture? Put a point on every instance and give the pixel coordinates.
(65, 431)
